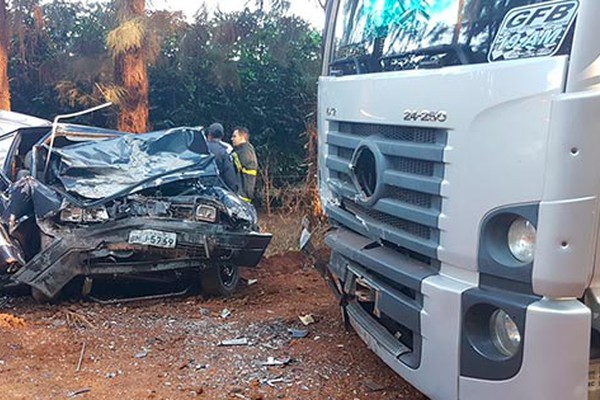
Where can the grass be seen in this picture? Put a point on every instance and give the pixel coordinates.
(286, 229)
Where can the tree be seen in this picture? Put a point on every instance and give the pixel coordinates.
(4, 43)
(126, 44)
(273, 5)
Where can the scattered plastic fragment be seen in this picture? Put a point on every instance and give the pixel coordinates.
(307, 319)
(234, 342)
(273, 381)
(225, 313)
(142, 353)
(78, 392)
(298, 333)
(252, 282)
(273, 362)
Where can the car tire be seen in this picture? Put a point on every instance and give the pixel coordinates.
(40, 297)
(220, 280)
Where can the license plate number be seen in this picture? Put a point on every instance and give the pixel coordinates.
(154, 238)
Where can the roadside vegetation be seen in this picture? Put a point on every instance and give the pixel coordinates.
(257, 68)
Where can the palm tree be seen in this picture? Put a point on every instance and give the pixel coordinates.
(4, 42)
(127, 45)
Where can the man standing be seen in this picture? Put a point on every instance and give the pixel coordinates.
(245, 162)
(222, 152)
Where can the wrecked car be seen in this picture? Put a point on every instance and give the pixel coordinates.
(82, 204)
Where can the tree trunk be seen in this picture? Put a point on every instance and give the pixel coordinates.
(312, 184)
(131, 74)
(4, 43)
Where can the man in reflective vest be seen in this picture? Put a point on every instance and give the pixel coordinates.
(245, 162)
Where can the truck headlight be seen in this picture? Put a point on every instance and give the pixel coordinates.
(504, 333)
(97, 214)
(521, 240)
(206, 213)
(71, 214)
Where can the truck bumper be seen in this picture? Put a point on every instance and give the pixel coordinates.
(420, 323)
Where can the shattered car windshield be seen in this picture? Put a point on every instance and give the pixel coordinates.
(390, 35)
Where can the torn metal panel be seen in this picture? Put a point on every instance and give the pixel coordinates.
(100, 169)
(11, 255)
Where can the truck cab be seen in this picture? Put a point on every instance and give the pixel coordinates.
(459, 148)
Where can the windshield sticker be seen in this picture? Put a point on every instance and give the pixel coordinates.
(533, 31)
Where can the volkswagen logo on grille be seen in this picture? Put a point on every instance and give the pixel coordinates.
(366, 170)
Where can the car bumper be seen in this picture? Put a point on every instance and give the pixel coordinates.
(104, 249)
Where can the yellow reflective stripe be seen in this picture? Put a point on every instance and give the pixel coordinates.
(240, 167)
(236, 161)
(247, 200)
(252, 172)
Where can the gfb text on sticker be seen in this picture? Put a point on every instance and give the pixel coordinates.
(533, 31)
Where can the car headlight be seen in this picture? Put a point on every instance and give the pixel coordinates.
(504, 333)
(206, 213)
(98, 214)
(71, 214)
(521, 240)
(76, 214)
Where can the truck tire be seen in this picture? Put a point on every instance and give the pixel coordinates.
(220, 280)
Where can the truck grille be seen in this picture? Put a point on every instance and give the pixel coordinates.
(412, 228)
(406, 212)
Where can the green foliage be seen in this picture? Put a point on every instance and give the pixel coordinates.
(64, 55)
(252, 68)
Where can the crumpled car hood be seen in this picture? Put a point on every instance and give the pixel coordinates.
(130, 163)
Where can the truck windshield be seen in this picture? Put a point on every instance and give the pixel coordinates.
(390, 35)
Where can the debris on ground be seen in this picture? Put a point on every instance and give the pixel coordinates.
(252, 282)
(307, 319)
(80, 361)
(184, 361)
(373, 387)
(225, 313)
(143, 353)
(272, 382)
(273, 362)
(234, 342)
(77, 319)
(298, 333)
(78, 392)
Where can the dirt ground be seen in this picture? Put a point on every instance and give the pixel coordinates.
(169, 349)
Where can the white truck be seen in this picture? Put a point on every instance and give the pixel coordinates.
(459, 162)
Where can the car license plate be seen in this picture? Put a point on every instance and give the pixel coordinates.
(154, 238)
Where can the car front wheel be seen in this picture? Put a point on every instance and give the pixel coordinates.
(220, 280)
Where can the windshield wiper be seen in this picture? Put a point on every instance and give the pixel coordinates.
(428, 58)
